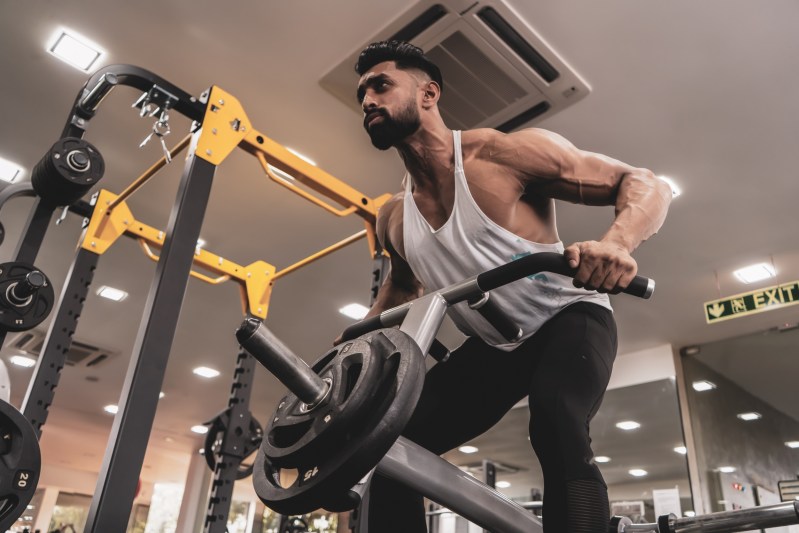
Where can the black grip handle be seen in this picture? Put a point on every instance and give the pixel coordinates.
(549, 262)
(359, 328)
(497, 318)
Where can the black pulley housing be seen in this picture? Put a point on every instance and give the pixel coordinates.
(67, 171)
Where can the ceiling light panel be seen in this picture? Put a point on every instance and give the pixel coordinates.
(23, 361)
(704, 385)
(356, 311)
(748, 417)
(116, 295)
(628, 425)
(204, 371)
(755, 273)
(75, 49)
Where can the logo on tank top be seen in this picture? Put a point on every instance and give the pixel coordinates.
(547, 288)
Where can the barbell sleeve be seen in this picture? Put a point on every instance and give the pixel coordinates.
(276, 357)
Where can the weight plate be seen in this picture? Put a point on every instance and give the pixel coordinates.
(23, 313)
(67, 171)
(322, 479)
(296, 433)
(20, 464)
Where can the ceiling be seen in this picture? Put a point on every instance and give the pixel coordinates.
(701, 92)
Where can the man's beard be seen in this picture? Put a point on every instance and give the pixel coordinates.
(388, 131)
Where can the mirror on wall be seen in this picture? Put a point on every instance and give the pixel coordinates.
(742, 397)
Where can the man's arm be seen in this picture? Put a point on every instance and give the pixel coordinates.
(400, 285)
(551, 166)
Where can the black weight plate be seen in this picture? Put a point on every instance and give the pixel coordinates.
(322, 479)
(67, 171)
(20, 464)
(213, 443)
(296, 433)
(32, 313)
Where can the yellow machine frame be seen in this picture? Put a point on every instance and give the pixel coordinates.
(226, 127)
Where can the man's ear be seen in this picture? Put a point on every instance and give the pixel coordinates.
(431, 94)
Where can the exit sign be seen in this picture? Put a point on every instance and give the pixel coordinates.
(749, 303)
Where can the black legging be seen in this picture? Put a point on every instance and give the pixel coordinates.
(565, 368)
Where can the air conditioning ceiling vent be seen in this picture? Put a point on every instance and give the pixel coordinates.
(498, 72)
(80, 354)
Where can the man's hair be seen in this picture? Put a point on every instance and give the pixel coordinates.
(404, 55)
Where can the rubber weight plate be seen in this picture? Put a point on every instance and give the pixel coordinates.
(20, 314)
(297, 433)
(20, 464)
(67, 171)
(213, 443)
(321, 479)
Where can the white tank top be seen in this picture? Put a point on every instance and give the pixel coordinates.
(470, 243)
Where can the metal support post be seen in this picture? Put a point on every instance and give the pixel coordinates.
(53, 355)
(116, 484)
(231, 451)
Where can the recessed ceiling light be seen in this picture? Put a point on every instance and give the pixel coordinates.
(467, 449)
(9, 171)
(601, 459)
(302, 156)
(161, 395)
(675, 189)
(113, 409)
(749, 416)
(206, 372)
(792, 444)
(356, 311)
(23, 361)
(682, 450)
(75, 49)
(701, 386)
(637, 472)
(116, 295)
(628, 425)
(727, 469)
(200, 430)
(502, 484)
(753, 273)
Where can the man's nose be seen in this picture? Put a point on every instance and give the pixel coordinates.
(368, 103)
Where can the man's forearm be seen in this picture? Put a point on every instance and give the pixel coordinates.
(641, 205)
(391, 295)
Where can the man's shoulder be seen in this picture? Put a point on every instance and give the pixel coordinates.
(491, 144)
(391, 209)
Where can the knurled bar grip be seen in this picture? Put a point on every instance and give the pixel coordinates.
(276, 357)
(549, 262)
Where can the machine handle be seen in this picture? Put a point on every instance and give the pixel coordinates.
(549, 262)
